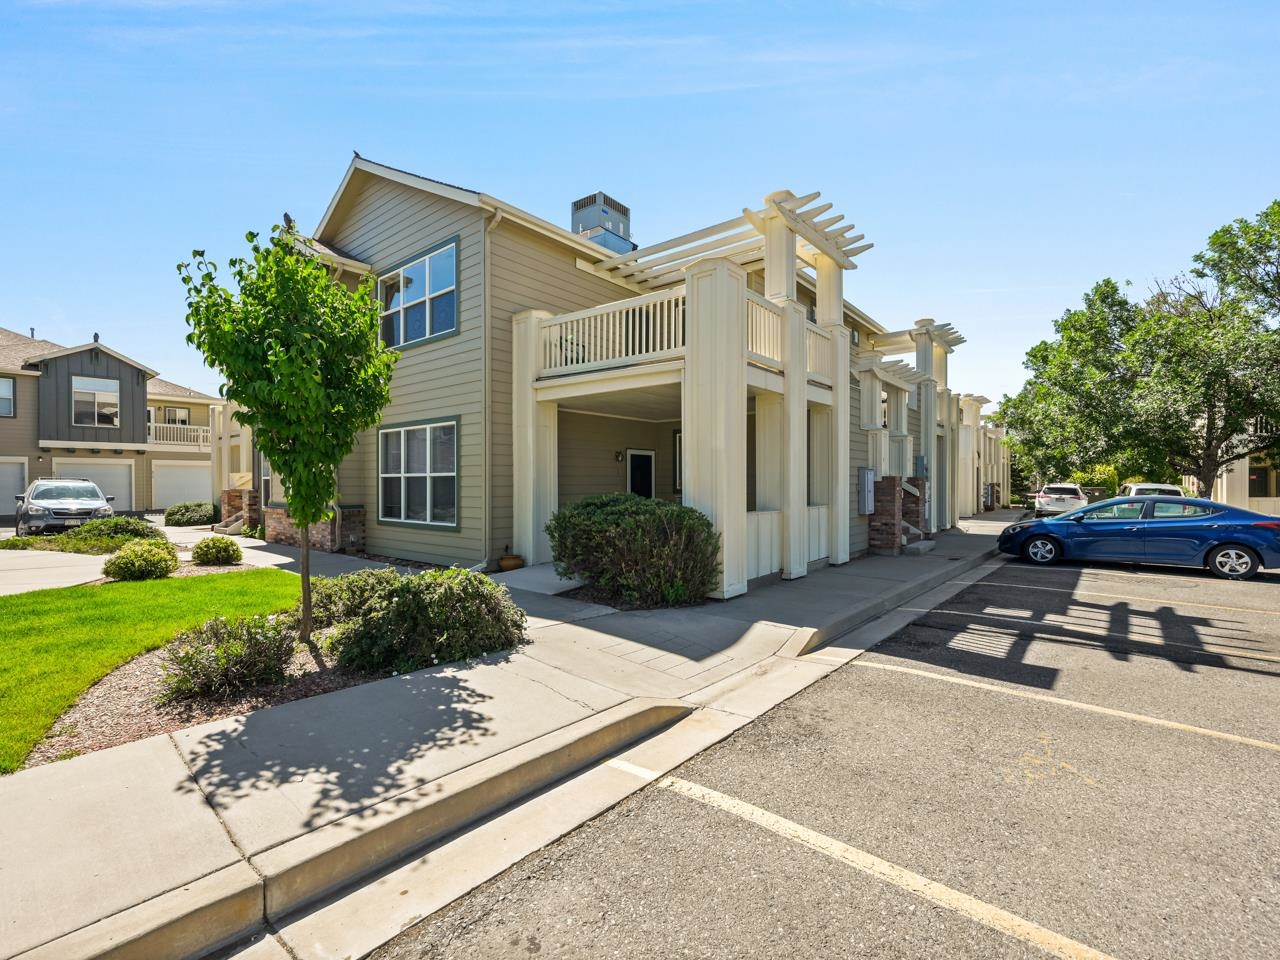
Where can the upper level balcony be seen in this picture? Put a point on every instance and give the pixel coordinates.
(178, 435)
(652, 328)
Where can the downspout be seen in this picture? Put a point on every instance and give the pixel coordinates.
(485, 359)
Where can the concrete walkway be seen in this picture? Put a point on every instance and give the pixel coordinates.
(24, 570)
(175, 844)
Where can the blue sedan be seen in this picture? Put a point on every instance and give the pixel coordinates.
(1233, 543)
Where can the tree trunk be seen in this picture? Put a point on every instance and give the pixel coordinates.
(1205, 480)
(304, 623)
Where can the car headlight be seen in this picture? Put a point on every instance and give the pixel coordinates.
(1014, 528)
(34, 511)
(103, 512)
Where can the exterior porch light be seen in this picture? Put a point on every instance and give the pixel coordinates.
(617, 455)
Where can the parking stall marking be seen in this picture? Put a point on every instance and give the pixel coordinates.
(989, 915)
(1076, 705)
(1274, 612)
(1210, 648)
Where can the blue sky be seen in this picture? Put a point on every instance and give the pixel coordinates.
(1002, 156)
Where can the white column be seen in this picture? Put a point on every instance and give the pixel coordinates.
(928, 403)
(535, 443)
(872, 418)
(795, 401)
(714, 410)
(838, 513)
(779, 260)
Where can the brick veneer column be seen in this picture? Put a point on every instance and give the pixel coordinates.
(886, 522)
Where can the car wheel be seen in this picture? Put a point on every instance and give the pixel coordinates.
(1042, 551)
(1233, 562)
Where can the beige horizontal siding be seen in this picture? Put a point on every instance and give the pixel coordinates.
(589, 446)
(386, 224)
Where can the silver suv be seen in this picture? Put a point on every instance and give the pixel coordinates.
(1059, 498)
(56, 503)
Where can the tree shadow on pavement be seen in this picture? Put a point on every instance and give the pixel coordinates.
(987, 631)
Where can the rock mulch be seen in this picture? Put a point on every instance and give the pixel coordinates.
(122, 707)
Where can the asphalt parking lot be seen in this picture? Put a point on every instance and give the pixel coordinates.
(1073, 762)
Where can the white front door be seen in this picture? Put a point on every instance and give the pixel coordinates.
(113, 479)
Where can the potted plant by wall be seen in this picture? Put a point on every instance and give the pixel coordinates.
(509, 560)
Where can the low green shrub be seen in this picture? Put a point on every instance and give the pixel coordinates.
(258, 533)
(216, 552)
(642, 552)
(433, 617)
(335, 599)
(131, 527)
(19, 543)
(189, 514)
(142, 560)
(225, 657)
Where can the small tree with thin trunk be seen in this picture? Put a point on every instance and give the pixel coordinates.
(300, 354)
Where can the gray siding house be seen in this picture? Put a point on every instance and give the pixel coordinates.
(91, 412)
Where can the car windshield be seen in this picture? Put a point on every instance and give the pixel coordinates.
(1062, 491)
(66, 491)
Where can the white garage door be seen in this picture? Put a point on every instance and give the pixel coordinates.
(13, 481)
(113, 479)
(179, 483)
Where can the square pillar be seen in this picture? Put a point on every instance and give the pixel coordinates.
(535, 443)
(841, 417)
(714, 411)
(795, 486)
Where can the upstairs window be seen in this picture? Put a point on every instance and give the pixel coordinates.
(178, 415)
(420, 300)
(6, 396)
(95, 402)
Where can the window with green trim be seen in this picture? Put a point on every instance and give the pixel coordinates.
(420, 300)
(7, 391)
(418, 474)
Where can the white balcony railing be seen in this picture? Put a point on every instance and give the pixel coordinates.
(764, 330)
(640, 330)
(817, 348)
(178, 433)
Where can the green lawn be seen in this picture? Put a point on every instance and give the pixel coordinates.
(55, 644)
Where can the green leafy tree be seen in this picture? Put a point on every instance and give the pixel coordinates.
(1185, 383)
(300, 354)
(1244, 258)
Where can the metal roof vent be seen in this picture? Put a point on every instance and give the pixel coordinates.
(604, 221)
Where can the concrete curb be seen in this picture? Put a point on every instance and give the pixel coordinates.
(237, 901)
(808, 639)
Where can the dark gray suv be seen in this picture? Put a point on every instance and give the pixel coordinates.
(52, 504)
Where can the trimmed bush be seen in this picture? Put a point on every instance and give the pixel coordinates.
(642, 552)
(225, 657)
(142, 560)
(132, 527)
(216, 552)
(19, 543)
(433, 617)
(335, 599)
(188, 514)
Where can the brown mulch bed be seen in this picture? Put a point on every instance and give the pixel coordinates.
(122, 707)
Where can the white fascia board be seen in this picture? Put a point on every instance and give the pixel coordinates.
(15, 372)
(396, 176)
(94, 346)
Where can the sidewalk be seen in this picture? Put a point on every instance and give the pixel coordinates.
(175, 844)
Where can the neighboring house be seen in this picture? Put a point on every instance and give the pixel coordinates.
(723, 368)
(1254, 485)
(91, 412)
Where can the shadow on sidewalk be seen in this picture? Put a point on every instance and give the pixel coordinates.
(339, 754)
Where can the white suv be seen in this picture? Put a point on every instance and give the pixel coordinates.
(1151, 490)
(1058, 498)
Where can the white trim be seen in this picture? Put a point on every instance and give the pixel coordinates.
(11, 372)
(94, 444)
(67, 351)
(616, 416)
(133, 474)
(653, 469)
(591, 382)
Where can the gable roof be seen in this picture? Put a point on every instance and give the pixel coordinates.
(18, 350)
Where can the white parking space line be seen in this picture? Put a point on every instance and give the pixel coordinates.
(1054, 944)
(1075, 705)
(1151, 641)
(1273, 612)
(1194, 575)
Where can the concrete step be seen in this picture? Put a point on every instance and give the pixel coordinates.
(918, 547)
